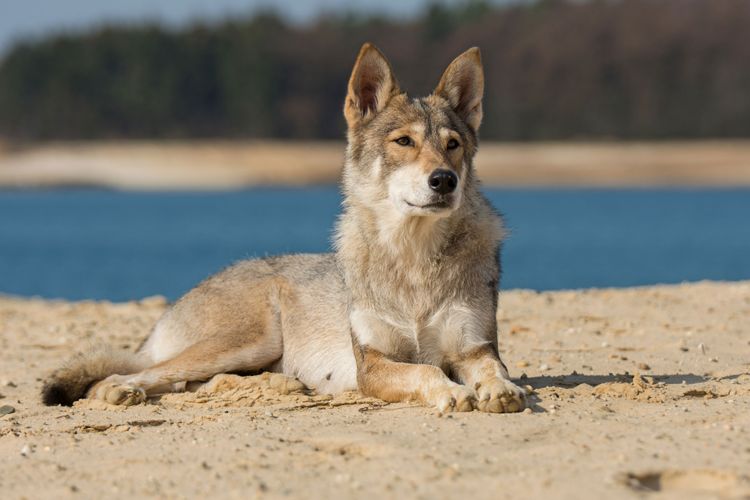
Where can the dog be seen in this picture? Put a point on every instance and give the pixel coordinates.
(405, 307)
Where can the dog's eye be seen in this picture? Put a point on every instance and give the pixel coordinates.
(452, 144)
(404, 141)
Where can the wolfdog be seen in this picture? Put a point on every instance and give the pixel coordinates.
(403, 310)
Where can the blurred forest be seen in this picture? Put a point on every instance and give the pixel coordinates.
(634, 69)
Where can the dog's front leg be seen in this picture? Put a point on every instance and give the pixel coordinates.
(380, 349)
(393, 381)
(482, 369)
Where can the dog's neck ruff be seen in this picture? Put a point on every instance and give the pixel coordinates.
(389, 232)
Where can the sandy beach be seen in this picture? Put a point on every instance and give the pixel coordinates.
(641, 392)
(208, 165)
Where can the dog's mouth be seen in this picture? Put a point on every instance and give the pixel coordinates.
(437, 205)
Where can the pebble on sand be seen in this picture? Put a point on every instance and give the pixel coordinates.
(6, 410)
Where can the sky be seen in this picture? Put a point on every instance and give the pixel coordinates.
(23, 19)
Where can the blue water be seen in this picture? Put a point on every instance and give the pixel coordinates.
(78, 244)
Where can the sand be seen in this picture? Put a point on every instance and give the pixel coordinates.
(224, 164)
(641, 392)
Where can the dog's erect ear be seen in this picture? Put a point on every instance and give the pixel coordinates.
(462, 85)
(370, 87)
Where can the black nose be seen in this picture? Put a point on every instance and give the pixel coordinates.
(443, 181)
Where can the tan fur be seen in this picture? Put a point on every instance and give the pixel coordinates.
(463, 85)
(72, 380)
(407, 301)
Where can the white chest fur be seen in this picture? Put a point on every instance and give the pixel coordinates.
(452, 328)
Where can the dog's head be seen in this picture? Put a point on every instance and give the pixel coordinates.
(415, 154)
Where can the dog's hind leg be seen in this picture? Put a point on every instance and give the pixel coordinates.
(199, 362)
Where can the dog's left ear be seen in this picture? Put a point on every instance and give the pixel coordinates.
(462, 84)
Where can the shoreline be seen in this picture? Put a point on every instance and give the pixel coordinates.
(164, 300)
(634, 389)
(221, 165)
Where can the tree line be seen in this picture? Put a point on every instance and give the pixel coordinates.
(555, 69)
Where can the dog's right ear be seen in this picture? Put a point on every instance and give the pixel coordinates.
(462, 85)
(371, 86)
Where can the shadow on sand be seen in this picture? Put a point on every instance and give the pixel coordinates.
(574, 379)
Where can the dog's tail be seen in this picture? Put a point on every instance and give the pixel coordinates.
(71, 382)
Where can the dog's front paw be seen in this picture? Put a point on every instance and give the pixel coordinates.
(498, 395)
(113, 391)
(452, 398)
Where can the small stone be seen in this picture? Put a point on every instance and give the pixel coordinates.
(702, 348)
(643, 366)
(6, 410)
(528, 411)
(544, 367)
(514, 329)
(26, 450)
(522, 364)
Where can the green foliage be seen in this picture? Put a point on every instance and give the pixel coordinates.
(556, 69)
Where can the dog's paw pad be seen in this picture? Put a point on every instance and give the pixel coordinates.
(454, 398)
(124, 395)
(498, 395)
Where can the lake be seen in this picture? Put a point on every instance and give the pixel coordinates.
(97, 244)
